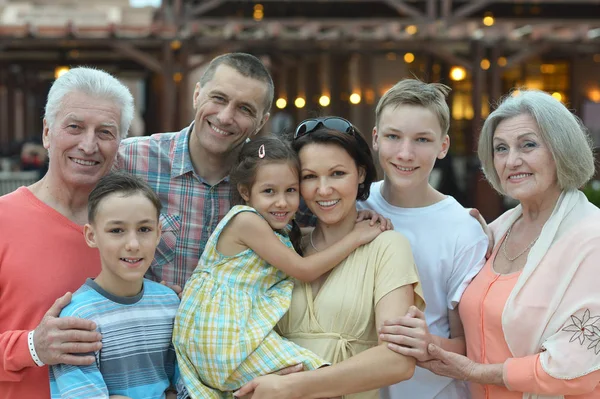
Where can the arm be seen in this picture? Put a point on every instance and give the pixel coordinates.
(527, 375)
(516, 374)
(410, 336)
(254, 232)
(371, 369)
(78, 382)
(56, 340)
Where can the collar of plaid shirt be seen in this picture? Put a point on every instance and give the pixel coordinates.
(180, 154)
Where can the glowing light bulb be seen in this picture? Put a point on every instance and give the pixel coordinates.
(458, 73)
(281, 103)
(355, 98)
(324, 100)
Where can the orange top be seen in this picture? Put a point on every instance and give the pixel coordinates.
(481, 310)
(42, 256)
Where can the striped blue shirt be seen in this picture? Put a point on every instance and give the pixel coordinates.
(137, 357)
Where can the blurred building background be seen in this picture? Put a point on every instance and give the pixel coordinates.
(326, 56)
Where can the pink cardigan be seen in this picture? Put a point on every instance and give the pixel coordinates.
(481, 309)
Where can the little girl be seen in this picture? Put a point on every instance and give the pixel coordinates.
(223, 332)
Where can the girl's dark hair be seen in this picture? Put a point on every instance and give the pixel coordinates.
(122, 183)
(353, 143)
(244, 171)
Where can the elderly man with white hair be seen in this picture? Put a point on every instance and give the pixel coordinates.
(43, 255)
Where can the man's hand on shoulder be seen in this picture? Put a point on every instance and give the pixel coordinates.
(62, 340)
(178, 290)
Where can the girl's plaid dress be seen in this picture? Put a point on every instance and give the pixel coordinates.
(223, 332)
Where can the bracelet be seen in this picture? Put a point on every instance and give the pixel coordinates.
(32, 351)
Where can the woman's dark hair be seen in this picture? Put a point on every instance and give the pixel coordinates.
(353, 143)
(121, 183)
(257, 152)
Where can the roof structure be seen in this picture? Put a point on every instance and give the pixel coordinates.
(445, 28)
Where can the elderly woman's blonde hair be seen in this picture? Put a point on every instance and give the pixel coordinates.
(563, 133)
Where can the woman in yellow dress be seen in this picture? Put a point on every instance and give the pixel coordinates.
(337, 315)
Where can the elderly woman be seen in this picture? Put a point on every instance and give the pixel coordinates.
(531, 316)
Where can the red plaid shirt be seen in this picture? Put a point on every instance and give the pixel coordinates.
(191, 207)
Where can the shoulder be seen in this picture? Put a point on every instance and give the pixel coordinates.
(11, 203)
(465, 228)
(586, 233)
(157, 296)
(154, 288)
(84, 303)
(388, 241)
(243, 216)
(153, 141)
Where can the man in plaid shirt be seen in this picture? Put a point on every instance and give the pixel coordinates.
(189, 169)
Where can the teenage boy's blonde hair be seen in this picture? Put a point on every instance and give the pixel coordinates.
(414, 92)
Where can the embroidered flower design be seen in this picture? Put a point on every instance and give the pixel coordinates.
(584, 328)
(595, 343)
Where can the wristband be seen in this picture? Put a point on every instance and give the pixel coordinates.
(32, 351)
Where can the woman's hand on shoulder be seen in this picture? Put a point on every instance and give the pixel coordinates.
(408, 335)
(364, 232)
(486, 230)
(375, 218)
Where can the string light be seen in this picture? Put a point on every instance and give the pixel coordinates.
(458, 73)
(281, 103)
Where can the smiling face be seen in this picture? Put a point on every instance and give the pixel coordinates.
(83, 141)
(408, 140)
(329, 182)
(523, 161)
(229, 109)
(126, 232)
(274, 193)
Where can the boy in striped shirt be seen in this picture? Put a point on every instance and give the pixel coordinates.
(134, 315)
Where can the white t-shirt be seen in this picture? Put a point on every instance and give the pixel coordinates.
(449, 248)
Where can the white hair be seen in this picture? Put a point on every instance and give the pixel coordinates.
(564, 134)
(95, 83)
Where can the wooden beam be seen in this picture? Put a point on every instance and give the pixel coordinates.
(168, 92)
(432, 9)
(203, 8)
(467, 10)
(526, 54)
(402, 8)
(447, 56)
(139, 56)
(446, 9)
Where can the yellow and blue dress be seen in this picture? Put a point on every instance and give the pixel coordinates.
(223, 332)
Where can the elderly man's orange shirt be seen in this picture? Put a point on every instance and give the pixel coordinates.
(43, 255)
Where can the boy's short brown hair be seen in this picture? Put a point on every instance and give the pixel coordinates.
(414, 92)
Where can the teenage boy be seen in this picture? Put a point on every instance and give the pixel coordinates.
(449, 246)
(134, 315)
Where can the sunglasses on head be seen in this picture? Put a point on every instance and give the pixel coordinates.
(332, 122)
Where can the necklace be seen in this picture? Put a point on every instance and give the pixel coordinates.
(312, 244)
(506, 240)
